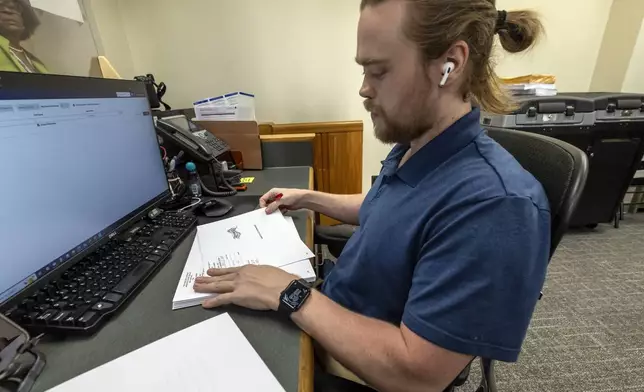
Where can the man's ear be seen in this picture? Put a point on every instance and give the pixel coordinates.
(457, 54)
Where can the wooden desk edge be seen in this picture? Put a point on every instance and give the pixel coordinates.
(306, 370)
(299, 137)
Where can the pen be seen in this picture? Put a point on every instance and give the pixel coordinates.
(278, 196)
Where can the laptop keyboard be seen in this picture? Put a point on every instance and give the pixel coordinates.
(82, 297)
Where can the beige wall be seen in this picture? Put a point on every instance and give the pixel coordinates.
(634, 79)
(574, 30)
(619, 39)
(297, 55)
(111, 40)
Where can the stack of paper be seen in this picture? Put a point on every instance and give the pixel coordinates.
(534, 89)
(213, 355)
(252, 238)
(237, 106)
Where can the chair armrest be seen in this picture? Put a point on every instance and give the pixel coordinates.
(334, 237)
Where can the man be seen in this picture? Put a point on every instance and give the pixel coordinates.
(453, 238)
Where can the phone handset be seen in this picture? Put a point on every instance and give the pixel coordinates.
(192, 142)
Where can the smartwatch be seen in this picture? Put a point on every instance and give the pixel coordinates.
(293, 297)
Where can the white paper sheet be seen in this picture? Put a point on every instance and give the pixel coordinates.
(69, 9)
(185, 296)
(210, 356)
(251, 238)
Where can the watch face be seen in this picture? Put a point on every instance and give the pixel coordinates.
(294, 295)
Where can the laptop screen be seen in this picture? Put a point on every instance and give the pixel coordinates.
(80, 158)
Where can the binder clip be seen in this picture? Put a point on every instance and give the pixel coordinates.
(20, 362)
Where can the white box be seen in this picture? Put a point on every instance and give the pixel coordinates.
(236, 106)
(224, 113)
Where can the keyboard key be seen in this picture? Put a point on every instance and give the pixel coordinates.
(70, 320)
(60, 305)
(112, 297)
(41, 307)
(153, 258)
(87, 319)
(163, 247)
(28, 303)
(30, 318)
(44, 317)
(102, 306)
(133, 277)
(60, 317)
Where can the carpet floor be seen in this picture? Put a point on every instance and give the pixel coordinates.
(587, 333)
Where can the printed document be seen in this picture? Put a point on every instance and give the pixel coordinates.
(251, 238)
(213, 355)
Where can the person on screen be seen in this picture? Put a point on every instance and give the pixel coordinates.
(18, 21)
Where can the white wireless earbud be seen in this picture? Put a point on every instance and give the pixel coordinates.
(447, 69)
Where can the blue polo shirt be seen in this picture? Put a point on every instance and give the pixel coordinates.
(454, 244)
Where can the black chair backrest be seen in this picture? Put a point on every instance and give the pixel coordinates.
(560, 168)
(287, 154)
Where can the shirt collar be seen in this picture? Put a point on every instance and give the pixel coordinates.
(4, 43)
(434, 153)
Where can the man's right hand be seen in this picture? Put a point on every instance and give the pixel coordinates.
(292, 199)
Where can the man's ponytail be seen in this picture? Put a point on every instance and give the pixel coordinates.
(518, 31)
(522, 30)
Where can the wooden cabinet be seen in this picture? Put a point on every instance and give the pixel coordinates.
(337, 149)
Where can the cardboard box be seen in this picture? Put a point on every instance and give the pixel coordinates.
(242, 136)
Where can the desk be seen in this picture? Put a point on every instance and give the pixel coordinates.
(287, 351)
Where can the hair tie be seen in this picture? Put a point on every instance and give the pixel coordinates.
(501, 21)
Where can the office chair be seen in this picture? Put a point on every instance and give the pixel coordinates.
(560, 168)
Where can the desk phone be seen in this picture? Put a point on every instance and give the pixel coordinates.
(199, 144)
(205, 149)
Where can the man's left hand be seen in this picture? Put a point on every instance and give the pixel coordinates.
(252, 286)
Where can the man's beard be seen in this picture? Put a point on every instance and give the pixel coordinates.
(390, 131)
